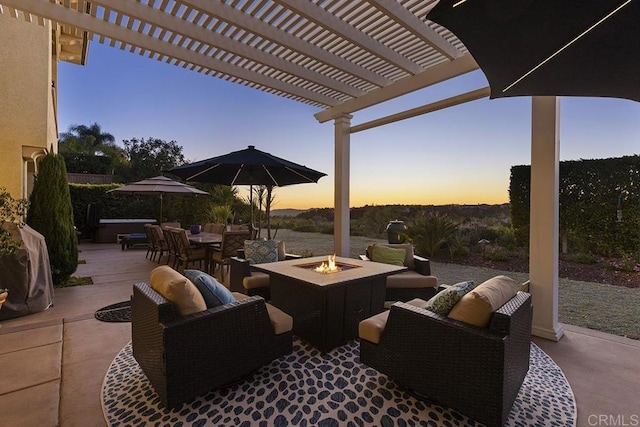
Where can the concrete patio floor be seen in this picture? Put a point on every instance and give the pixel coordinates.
(54, 362)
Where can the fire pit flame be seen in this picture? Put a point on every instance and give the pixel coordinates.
(329, 266)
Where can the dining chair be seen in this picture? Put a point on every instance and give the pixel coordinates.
(171, 246)
(151, 244)
(160, 243)
(185, 253)
(232, 241)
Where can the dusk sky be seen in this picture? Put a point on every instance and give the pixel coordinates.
(461, 154)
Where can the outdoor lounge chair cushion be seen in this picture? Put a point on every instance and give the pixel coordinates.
(176, 288)
(476, 307)
(213, 292)
(445, 300)
(411, 279)
(280, 320)
(261, 251)
(371, 329)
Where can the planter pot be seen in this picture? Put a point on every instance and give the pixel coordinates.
(195, 229)
(395, 231)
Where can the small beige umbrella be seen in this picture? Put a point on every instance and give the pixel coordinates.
(158, 185)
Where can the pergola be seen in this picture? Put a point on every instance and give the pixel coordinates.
(341, 56)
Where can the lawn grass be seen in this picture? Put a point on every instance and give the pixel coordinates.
(606, 308)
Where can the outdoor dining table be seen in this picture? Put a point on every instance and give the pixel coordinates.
(210, 241)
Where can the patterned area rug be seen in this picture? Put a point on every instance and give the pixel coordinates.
(119, 312)
(307, 388)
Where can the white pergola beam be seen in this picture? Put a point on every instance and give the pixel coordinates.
(429, 108)
(418, 27)
(544, 214)
(124, 35)
(342, 159)
(158, 18)
(320, 16)
(436, 74)
(238, 18)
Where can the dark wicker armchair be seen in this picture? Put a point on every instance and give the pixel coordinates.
(184, 357)
(246, 280)
(415, 282)
(476, 371)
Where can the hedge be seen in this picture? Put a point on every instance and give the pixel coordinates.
(590, 194)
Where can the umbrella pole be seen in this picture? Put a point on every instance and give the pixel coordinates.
(251, 205)
(160, 208)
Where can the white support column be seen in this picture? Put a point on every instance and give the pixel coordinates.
(341, 217)
(543, 240)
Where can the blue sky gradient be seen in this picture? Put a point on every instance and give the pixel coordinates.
(461, 154)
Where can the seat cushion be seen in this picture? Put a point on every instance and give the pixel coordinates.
(411, 279)
(387, 255)
(371, 329)
(213, 292)
(176, 288)
(258, 279)
(280, 320)
(260, 251)
(477, 306)
(445, 300)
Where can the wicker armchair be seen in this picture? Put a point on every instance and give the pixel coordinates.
(415, 282)
(184, 357)
(476, 371)
(246, 280)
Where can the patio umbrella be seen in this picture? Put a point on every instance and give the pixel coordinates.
(159, 185)
(247, 167)
(550, 47)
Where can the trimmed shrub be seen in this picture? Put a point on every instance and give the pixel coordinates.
(51, 214)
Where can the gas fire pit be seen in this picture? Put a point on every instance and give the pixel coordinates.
(327, 304)
(327, 267)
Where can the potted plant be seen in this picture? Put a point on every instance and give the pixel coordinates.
(11, 211)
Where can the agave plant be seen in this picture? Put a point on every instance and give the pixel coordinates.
(432, 233)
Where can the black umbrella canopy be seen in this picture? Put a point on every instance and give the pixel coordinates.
(550, 47)
(247, 167)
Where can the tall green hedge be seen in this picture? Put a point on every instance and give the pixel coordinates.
(50, 213)
(187, 210)
(589, 194)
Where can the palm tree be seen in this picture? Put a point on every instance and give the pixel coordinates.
(82, 141)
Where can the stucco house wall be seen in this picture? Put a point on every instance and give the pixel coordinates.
(28, 127)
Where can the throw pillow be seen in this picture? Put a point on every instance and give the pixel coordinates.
(477, 306)
(176, 288)
(213, 292)
(443, 301)
(260, 251)
(387, 255)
